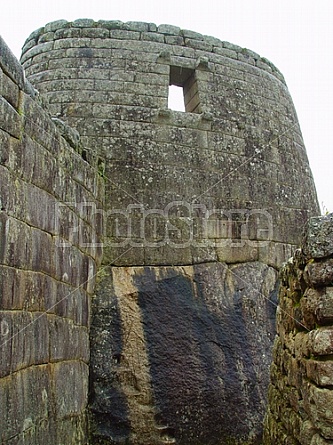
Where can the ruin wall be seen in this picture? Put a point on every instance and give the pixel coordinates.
(300, 394)
(48, 263)
(201, 207)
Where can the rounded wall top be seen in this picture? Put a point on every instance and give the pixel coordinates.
(150, 32)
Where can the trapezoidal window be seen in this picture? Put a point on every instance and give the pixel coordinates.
(183, 90)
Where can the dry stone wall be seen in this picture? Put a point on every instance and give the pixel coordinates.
(48, 262)
(300, 394)
(201, 208)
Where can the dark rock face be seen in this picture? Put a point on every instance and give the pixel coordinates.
(189, 344)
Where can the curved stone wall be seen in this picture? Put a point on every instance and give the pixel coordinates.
(202, 172)
(201, 208)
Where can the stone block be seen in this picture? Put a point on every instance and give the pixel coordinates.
(42, 252)
(274, 253)
(28, 45)
(137, 26)
(321, 412)
(320, 372)
(321, 341)
(73, 430)
(56, 25)
(4, 147)
(36, 50)
(41, 128)
(246, 58)
(319, 273)
(168, 29)
(71, 388)
(9, 191)
(46, 37)
(24, 340)
(66, 33)
(83, 23)
(10, 65)
(11, 121)
(67, 341)
(111, 24)
(124, 35)
(28, 403)
(231, 253)
(302, 345)
(153, 37)
(324, 310)
(71, 303)
(309, 306)
(16, 242)
(35, 198)
(10, 91)
(225, 52)
(318, 239)
(292, 369)
(174, 40)
(198, 44)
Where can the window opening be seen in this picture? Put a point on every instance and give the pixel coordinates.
(176, 98)
(183, 83)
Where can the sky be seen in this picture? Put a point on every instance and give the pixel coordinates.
(296, 35)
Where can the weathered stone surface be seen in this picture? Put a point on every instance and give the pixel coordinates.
(182, 341)
(318, 241)
(142, 160)
(321, 341)
(302, 374)
(46, 267)
(10, 65)
(321, 411)
(181, 345)
(319, 273)
(321, 372)
(71, 135)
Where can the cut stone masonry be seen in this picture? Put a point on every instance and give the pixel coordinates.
(195, 211)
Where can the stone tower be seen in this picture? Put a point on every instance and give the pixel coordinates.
(201, 208)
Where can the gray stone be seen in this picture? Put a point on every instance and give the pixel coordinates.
(191, 34)
(10, 65)
(321, 341)
(137, 26)
(54, 26)
(44, 402)
(83, 23)
(180, 341)
(232, 47)
(169, 29)
(318, 240)
(111, 24)
(319, 273)
(72, 136)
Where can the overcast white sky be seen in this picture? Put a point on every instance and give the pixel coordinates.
(296, 35)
